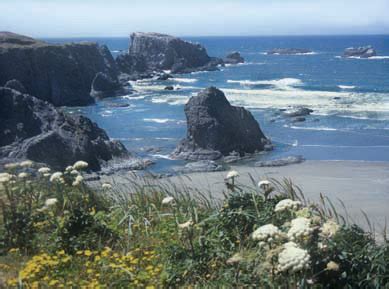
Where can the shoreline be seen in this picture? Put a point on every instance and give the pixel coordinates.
(360, 185)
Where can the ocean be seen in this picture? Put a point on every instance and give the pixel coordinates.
(350, 98)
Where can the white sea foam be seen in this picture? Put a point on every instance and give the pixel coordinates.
(283, 83)
(158, 120)
(313, 128)
(130, 97)
(165, 138)
(185, 80)
(378, 57)
(346, 86)
(160, 156)
(171, 99)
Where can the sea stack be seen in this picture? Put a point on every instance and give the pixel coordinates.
(361, 52)
(59, 74)
(215, 128)
(233, 58)
(34, 129)
(150, 52)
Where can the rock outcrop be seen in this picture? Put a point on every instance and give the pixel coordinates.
(34, 129)
(149, 52)
(216, 128)
(60, 74)
(105, 86)
(362, 52)
(233, 58)
(288, 51)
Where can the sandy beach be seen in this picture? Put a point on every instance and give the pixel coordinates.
(360, 185)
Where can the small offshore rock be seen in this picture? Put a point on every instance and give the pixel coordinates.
(362, 52)
(203, 166)
(233, 58)
(280, 162)
(169, 87)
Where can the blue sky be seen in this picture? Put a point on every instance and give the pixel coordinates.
(72, 18)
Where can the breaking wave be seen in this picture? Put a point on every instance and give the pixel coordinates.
(283, 83)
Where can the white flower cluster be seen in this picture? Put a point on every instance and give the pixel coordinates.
(26, 164)
(329, 229)
(57, 177)
(264, 185)
(266, 233)
(51, 202)
(79, 179)
(186, 225)
(293, 258)
(5, 177)
(231, 175)
(44, 170)
(80, 165)
(106, 186)
(23, 175)
(11, 166)
(167, 200)
(300, 227)
(287, 204)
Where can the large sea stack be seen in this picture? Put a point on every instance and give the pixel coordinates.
(216, 128)
(60, 74)
(362, 52)
(156, 52)
(34, 129)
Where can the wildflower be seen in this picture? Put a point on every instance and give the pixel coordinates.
(231, 175)
(293, 258)
(106, 186)
(44, 170)
(26, 164)
(332, 266)
(167, 200)
(23, 175)
(266, 233)
(69, 169)
(305, 212)
(236, 258)
(78, 180)
(56, 177)
(5, 177)
(301, 227)
(287, 204)
(329, 229)
(74, 172)
(264, 185)
(185, 225)
(51, 202)
(11, 166)
(87, 253)
(80, 165)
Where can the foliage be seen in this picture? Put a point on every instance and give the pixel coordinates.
(56, 231)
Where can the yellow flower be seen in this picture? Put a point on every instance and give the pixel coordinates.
(150, 287)
(53, 282)
(12, 282)
(87, 253)
(13, 250)
(332, 266)
(97, 258)
(89, 271)
(62, 252)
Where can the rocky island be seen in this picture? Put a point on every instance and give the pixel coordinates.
(215, 129)
(288, 51)
(150, 52)
(361, 52)
(60, 74)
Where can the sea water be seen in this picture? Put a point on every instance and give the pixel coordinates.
(350, 98)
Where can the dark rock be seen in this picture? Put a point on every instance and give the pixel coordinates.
(233, 58)
(202, 166)
(150, 52)
(60, 74)
(118, 105)
(298, 112)
(128, 164)
(215, 128)
(288, 51)
(169, 87)
(298, 119)
(33, 129)
(336, 97)
(105, 86)
(164, 76)
(362, 52)
(280, 162)
(15, 84)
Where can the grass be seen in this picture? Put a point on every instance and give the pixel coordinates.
(56, 232)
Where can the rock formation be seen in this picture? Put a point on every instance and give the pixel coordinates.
(105, 86)
(149, 52)
(33, 129)
(216, 128)
(362, 52)
(288, 51)
(60, 74)
(15, 84)
(233, 58)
